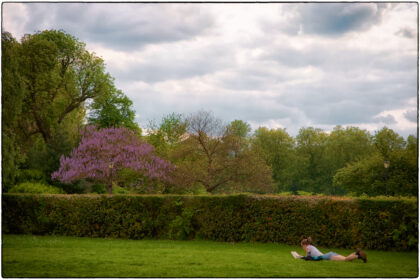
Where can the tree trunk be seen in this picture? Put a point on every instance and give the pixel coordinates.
(110, 184)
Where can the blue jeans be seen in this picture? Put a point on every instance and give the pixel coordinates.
(329, 255)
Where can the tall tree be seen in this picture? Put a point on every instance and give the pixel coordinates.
(48, 79)
(311, 144)
(13, 91)
(276, 146)
(218, 160)
(368, 175)
(345, 146)
(60, 75)
(387, 141)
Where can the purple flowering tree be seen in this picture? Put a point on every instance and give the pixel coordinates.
(103, 152)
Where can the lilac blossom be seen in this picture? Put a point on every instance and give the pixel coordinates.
(99, 148)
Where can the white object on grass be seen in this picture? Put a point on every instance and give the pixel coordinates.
(295, 255)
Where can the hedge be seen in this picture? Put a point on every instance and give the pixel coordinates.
(389, 224)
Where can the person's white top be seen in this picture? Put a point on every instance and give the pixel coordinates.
(313, 251)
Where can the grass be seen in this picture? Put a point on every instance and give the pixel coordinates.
(58, 256)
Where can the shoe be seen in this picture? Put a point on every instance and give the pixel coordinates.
(295, 255)
(361, 255)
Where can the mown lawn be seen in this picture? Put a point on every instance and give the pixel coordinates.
(57, 256)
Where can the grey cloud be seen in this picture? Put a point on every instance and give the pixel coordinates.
(121, 26)
(179, 64)
(355, 86)
(406, 32)
(226, 107)
(296, 58)
(388, 119)
(329, 105)
(329, 19)
(411, 115)
(333, 100)
(251, 77)
(342, 59)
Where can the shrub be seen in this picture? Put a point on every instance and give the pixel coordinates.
(388, 223)
(30, 187)
(98, 188)
(31, 175)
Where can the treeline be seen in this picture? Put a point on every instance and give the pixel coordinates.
(345, 161)
(53, 88)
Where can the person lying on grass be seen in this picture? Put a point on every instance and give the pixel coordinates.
(313, 254)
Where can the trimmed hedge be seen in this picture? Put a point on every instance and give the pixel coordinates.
(388, 224)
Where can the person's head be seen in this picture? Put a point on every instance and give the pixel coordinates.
(305, 242)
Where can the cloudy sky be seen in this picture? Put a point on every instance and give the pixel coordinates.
(279, 65)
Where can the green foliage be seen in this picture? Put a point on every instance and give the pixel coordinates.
(113, 109)
(344, 146)
(98, 188)
(118, 190)
(11, 99)
(276, 147)
(46, 156)
(36, 188)
(344, 161)
(78, 187)
(48, 81)
(215, 157)
(382, 223)
(387, 141)
(181, 227)
(31, 175)
(367, 175)
(239, 128)
(165, 136)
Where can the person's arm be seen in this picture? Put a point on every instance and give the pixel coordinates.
(308, 250)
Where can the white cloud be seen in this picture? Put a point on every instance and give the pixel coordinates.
(14, 16)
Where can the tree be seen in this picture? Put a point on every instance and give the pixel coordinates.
(168, 134)
(107, 150)
(60, 76)
(13, 91)
(311, 144)
(239, 128)
(48, 80)
(112, 109)
(368, 175)
(276, 146)
(363, 176)
(345, 146)
(216, 159)
(387, 141)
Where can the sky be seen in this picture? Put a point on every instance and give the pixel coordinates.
(278, 65)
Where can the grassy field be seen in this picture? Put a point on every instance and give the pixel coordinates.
(57, 256)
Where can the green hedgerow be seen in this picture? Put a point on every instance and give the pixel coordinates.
(387, 224)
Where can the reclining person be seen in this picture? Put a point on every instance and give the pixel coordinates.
(313, 254)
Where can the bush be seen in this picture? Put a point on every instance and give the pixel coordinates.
(30, 187)
(31, 175)
(388, 223)
(98, 188)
